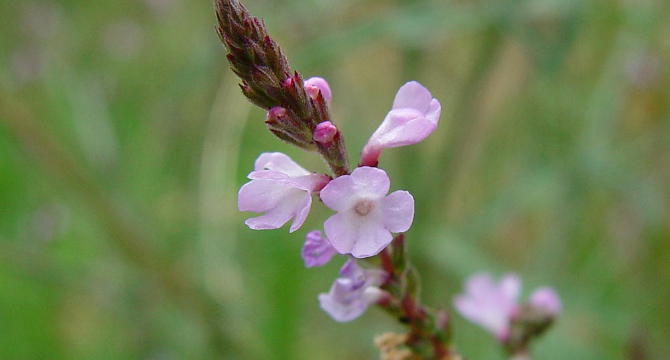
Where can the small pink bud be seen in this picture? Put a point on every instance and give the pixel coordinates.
(547, 299)
(315, 84)
(275, 113)
(324, 132)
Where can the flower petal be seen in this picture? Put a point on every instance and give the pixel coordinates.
(339, 310)
(510, 285)
(370, 182)
(364, 182)
(349, 235)
(434, 110)
(338, 194)
(488, 304)
(300, 213)
(316, 250)
(412, 95)
(261, 195)
(293, 204)
(339, 234)
(353, 292)
(279, 162)
(401, 128)
(370, 240)
(398, 211)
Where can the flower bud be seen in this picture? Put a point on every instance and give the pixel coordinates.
(314, 85)
(275, 114)
(324, 132)
(545, 298)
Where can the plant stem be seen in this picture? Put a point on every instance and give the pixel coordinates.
(429, 333)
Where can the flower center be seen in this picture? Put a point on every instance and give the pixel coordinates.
(363, 207)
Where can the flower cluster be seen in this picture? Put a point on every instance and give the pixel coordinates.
(366, 214)
(495, 307)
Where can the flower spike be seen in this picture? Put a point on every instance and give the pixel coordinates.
(269, 82)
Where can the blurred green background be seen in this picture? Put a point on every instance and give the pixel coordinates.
(124, 139)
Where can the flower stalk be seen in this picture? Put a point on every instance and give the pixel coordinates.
(429, 332)
(377, 270)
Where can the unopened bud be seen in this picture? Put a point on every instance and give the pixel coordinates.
(545, 298)
(324, 132)
(288, 82)
(275, 114)
(315, 84)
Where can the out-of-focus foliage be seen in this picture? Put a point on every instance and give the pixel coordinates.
(124, 139)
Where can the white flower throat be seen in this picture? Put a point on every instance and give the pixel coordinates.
(363, 207)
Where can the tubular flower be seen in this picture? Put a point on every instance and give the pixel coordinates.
(281, 189)
(490, 305)
(412, 118)
(352, 293)
(366, 216)
(317, 250)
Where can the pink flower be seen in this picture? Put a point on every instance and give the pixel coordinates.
(315, 84)
(352, 293)
(317, 250)
(488, 304)
(546, 298)
(365, 215)
(494, 306)
(281, 189)
(412, 118)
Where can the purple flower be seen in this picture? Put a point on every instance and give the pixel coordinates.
(352, 293)
(547, 299)
(365, 215)
(412, 118)
(281, 189)
(317, 250)
(315, 84)
(488, 304)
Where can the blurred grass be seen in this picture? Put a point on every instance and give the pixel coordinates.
(124, 140)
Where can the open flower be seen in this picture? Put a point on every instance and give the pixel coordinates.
(281, 189)
(352, 293)
(365, 215)
(494, 306)
(412, 118)
(488, 304)
(317, 250)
